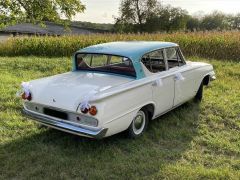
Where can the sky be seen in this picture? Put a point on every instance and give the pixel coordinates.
(104, 11)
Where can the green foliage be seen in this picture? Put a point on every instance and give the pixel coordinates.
(166, 19)
(151, 16)
(194, 141)
(193, 23)
(219, 45)
(38, 11)
(216, 20)
(235, 21)
(134, 13)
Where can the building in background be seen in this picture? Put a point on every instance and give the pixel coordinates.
(50, 29)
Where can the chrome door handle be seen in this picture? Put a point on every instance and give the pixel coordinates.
(178, 77)
(154, 84)
(157, 82)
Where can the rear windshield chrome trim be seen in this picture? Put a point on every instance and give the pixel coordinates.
(75, 68)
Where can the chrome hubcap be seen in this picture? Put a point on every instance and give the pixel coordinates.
(139, 122)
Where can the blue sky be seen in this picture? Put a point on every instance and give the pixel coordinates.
(103, 11)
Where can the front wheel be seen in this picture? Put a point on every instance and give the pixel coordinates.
(138, 125)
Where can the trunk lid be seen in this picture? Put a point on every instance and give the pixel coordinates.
(66, 90)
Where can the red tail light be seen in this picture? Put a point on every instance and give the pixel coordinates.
(25, 97)
(93, 110)
(84, 111)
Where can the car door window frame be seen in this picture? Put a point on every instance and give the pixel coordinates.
(164, 60)
(179, 53)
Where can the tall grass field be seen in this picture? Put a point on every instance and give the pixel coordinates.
(218, 45)
(194, 141)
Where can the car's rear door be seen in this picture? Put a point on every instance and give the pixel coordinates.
(163, 92)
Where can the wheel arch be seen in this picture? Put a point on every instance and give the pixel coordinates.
(206, 80)
(150, 108)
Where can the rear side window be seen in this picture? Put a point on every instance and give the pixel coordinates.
(154, 61)
(174, 57)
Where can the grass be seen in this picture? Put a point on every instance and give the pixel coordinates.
(219, 45)
(194, 141)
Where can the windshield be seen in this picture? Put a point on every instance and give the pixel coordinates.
(105, 63)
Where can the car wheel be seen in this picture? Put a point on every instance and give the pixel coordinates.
(199, 94)
(139, 124)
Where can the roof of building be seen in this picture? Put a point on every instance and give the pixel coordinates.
(131, 49)
(49, 29)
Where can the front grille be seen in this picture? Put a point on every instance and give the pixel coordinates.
(55, 113)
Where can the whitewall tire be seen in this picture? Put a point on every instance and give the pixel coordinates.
(139, 124)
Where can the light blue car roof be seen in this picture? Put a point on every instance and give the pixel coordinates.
(131, 49)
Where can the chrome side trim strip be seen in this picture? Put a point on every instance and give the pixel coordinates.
(70, 128)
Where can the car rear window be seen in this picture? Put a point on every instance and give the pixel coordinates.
(105, 63)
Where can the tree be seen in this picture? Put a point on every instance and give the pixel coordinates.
(215, 21)
(193, 23)
(178, 19)
(149, 16)
(38, 11)
(235, 22)
(167, 19)
(134, 13)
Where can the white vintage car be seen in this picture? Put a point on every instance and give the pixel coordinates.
(115, 87)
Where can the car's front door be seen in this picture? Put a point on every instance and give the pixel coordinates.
(183, 76)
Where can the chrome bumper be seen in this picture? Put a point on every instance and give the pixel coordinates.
(67, 127)
(213, 78)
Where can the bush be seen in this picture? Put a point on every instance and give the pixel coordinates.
(218, 45)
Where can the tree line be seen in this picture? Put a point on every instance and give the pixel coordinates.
(151, 16)
(134, 16)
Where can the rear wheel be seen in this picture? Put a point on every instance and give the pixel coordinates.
(139, 124)
(199, 94)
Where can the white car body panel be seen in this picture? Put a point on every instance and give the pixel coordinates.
(66, 90)
(119, 98)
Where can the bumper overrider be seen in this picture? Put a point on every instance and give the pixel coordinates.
(212, 76)
(66, 126)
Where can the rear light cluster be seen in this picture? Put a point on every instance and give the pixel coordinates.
(92, 110)
(27, 96)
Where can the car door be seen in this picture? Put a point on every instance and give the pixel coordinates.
(183, 76)
(162, 81)
(163, 93)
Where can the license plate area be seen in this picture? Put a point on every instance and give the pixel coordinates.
(55, 113)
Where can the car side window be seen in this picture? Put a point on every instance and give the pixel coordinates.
(174, 57)
(154, 61)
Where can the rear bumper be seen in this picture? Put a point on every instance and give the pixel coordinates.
(65, 126)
